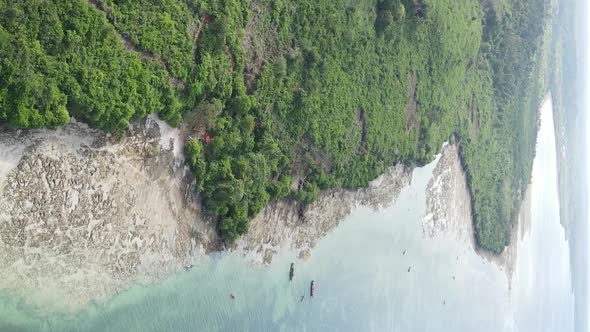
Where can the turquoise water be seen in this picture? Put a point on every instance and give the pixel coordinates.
(362, 284)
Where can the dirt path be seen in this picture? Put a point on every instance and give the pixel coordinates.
(206, 19)
(129, 45)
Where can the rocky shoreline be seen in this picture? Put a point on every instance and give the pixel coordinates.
(283, 224)
(84, 216)
(449, 211)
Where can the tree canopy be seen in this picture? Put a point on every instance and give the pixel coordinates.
(286, 98)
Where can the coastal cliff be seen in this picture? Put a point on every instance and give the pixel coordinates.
(85, 216)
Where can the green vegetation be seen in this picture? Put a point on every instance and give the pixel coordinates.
(62, 56)
(160, 27)
(499, 159)
(286, 98)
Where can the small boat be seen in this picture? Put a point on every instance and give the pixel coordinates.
(291, 272)
(312, 288)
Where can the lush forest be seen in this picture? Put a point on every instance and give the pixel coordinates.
(283, 98)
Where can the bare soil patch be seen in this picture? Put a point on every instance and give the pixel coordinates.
(129, 45)
(260, 44)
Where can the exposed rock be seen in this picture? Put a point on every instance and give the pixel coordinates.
(449, 212)
(280, 224)
(83, 219)
(448, 200)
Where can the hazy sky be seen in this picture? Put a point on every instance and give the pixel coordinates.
(586, 98)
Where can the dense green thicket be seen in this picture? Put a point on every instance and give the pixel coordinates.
(285, 98)
(499, 159)
(160, 27)
(60, 56)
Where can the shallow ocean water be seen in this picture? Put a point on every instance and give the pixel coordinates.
(362, 281)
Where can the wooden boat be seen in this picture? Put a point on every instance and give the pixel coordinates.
(312, 288)
(291, 272)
